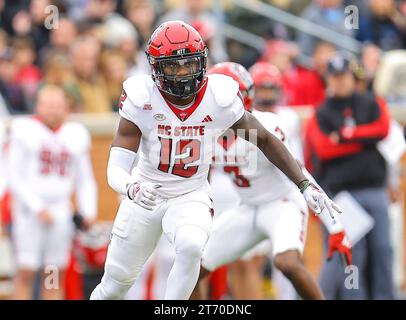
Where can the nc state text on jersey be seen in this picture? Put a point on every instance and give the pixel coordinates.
(180, 131)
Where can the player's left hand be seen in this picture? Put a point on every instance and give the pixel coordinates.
(317, 200)
(339, 242)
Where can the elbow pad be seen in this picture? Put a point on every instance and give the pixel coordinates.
(120, 164)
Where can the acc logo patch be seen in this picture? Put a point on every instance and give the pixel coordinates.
(159, 117)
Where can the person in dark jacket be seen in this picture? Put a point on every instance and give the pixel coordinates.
(341, 151)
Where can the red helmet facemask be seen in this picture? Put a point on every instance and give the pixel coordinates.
(178, 56)
(239, 74)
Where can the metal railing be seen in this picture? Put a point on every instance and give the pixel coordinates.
(288, 19)
(243, 36)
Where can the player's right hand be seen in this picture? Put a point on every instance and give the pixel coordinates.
(45, 217)
(144, 194)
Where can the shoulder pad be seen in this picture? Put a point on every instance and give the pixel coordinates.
(223, 88)
(138, 89)
(21, 127)
(22, 123)
(267, 119)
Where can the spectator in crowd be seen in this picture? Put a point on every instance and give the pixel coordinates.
(390, 81)
(28, 74)
(122, 37)
(76, 10)
(114, 70)
(370, 58)
(299, 83)
(316, 89)
(3, 40)
(58, 71)
(341, 139)
(38, 30)
(326, 13)
(85, 55)
(48, 162)
(100, 11)
(142, 14)
(10, 90)
(383, 25)
(60, 39)
(192, 10)
(8, 10)
(3, 48)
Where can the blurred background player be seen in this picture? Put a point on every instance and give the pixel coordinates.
(173, 184)
(269, 97)
(48, 163)
(271, 207)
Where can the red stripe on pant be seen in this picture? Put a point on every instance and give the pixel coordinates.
(150, 283)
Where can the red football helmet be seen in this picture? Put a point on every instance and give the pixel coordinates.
(178, 56)
(239, 74)
(266, 75)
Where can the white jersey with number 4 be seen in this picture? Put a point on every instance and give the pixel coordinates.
(256, 179)
(177, 145)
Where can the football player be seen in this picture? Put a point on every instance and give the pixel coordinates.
(48, 161)
(171, 121)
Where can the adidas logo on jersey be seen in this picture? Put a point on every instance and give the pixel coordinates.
(207, 119)
(147, 107)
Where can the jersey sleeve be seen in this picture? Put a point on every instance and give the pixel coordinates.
(235, 111)
(136, 93)
(127, 109)
(273, 123)
(293, 130)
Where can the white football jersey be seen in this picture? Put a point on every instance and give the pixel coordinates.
(177, 145)
(291, 122)
(256, 179)
(43, 162)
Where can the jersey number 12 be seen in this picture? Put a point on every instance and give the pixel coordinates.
(186, 152)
